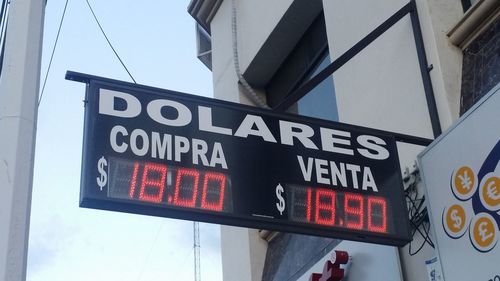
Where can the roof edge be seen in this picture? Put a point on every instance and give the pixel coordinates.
(203, 11)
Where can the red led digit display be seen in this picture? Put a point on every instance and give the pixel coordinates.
(187, 180)
(336, 208)
(353, 209)
(377, 220)
(180, 187)
(153, 182)
(325, 207)
(162, 184)
(213, 198)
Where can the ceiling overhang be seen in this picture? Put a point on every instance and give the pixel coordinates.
(203, 11)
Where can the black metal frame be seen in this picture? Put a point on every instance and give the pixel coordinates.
(466, 4)
(86, 78)
(90, 201)
(4, 16)
(411, 9)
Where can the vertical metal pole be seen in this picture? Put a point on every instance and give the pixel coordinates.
(424, 71)
(19, 86)
(196, 244)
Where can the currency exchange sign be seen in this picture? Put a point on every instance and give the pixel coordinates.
(164, 153)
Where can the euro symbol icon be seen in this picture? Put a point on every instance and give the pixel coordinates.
(493, 191)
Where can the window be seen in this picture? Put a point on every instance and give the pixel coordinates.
(320, 102)
(308, 58)
(204, 46)
(466, 4)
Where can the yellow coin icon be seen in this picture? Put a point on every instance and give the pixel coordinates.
(454, 221)
(464, 183)
(490, 192)
(483, 232)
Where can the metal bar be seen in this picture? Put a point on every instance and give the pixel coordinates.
(3, 9)
(424, 71)
(3, 31)
(344, 58)
(466, 4)
(412, 139)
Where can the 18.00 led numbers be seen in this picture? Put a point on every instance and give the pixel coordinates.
(334, 208)
(168, 185)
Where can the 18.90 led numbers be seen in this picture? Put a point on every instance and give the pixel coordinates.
(340, 209)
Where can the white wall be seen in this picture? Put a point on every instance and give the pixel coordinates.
(436, 19)
(380, 88)
(243, 254)
(243, 251)
(256, 19)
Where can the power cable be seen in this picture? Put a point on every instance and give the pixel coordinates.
(53, 52)
(109, 43)
(248, 90)
(417, 216)
(150, 251)
(183, 263)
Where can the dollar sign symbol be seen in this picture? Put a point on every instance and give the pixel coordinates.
(102, 179)
(281, 204)
(456, 219)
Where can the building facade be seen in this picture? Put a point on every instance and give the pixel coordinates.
(406, 67)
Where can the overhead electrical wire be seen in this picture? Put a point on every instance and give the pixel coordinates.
(57, 40)
(143, 267)
(109, 42)
(53, 52)
(4, 16)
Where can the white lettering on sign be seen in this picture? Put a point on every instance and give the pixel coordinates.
(166, 146)
(175, 148)
(183, 115)
(107, 99)
(333, 173)
(330, 137)
(205, 121)
(261, 130)
(301, 132)
(374, 144)
(290, 133)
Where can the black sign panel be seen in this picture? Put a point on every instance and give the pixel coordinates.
(163, 153)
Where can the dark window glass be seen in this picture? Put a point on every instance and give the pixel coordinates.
(320, 102)
(307, 59)
(480, 67)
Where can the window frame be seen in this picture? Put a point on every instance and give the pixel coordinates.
(298, 66)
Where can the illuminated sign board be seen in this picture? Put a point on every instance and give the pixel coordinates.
(163, 153)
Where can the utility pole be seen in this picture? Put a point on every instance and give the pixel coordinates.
(19, 87)
(196, 246)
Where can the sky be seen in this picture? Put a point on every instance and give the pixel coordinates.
(156, 41)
